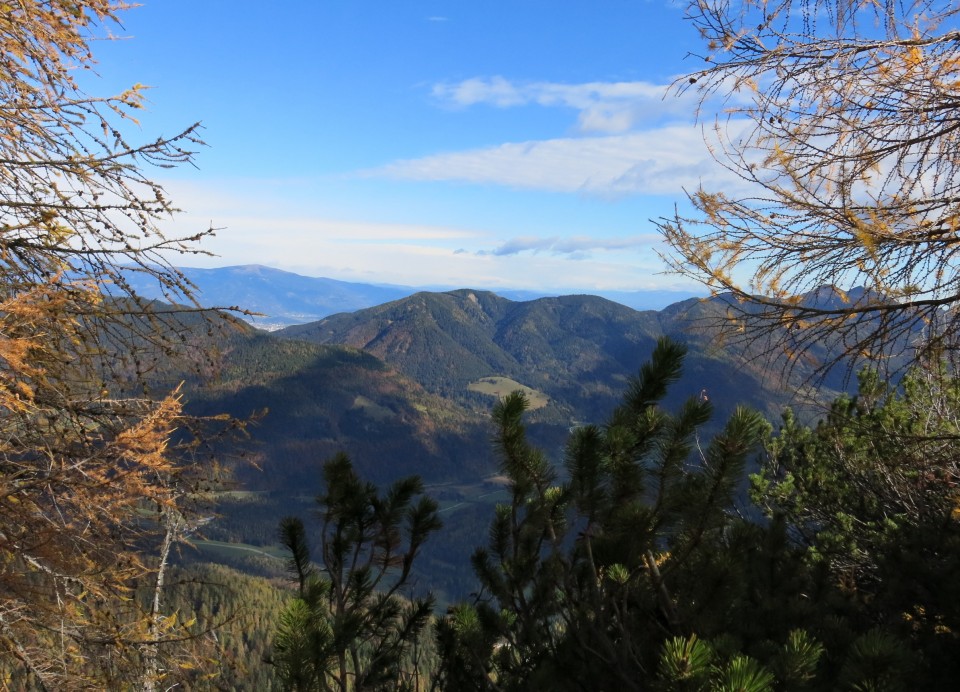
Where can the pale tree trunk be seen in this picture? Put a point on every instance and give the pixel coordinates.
(151, 666)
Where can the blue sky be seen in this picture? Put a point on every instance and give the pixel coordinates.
(521, 144)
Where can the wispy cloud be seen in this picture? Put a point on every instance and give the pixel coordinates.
(604, 107)
(633, 138)
(310, 243)
(660, 161)
(577, 247)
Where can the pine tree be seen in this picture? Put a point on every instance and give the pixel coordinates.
(871, 493)
(586, 581)
(349, 628)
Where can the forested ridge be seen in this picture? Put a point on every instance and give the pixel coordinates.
(756, 491)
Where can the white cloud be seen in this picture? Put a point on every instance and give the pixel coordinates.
(640, 138)
(425, 262)
(576, 247)
(310, 243)
(660, 161)
(604, 107)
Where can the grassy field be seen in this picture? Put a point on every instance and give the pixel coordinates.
(372, 409)
(501, 386)
(217, 548)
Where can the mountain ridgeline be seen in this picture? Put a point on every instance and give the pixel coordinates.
(280, 298)
(578, 350)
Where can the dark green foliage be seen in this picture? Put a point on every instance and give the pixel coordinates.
(743, 674)
(349, 627)
(686, 664)
(877, 661)
(871, 492)
(602, 581)
(693, 664)
(293, 537)
(304, 643)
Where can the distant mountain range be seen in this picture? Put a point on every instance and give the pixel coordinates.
(283, 298)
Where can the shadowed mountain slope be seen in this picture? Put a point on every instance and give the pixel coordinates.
(320, 399)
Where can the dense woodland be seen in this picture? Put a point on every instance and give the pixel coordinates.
(188, 502)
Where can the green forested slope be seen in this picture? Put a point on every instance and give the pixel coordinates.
(576, 349)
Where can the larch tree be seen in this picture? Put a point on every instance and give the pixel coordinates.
(842, 121)
(84, 453)
(842, 124)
